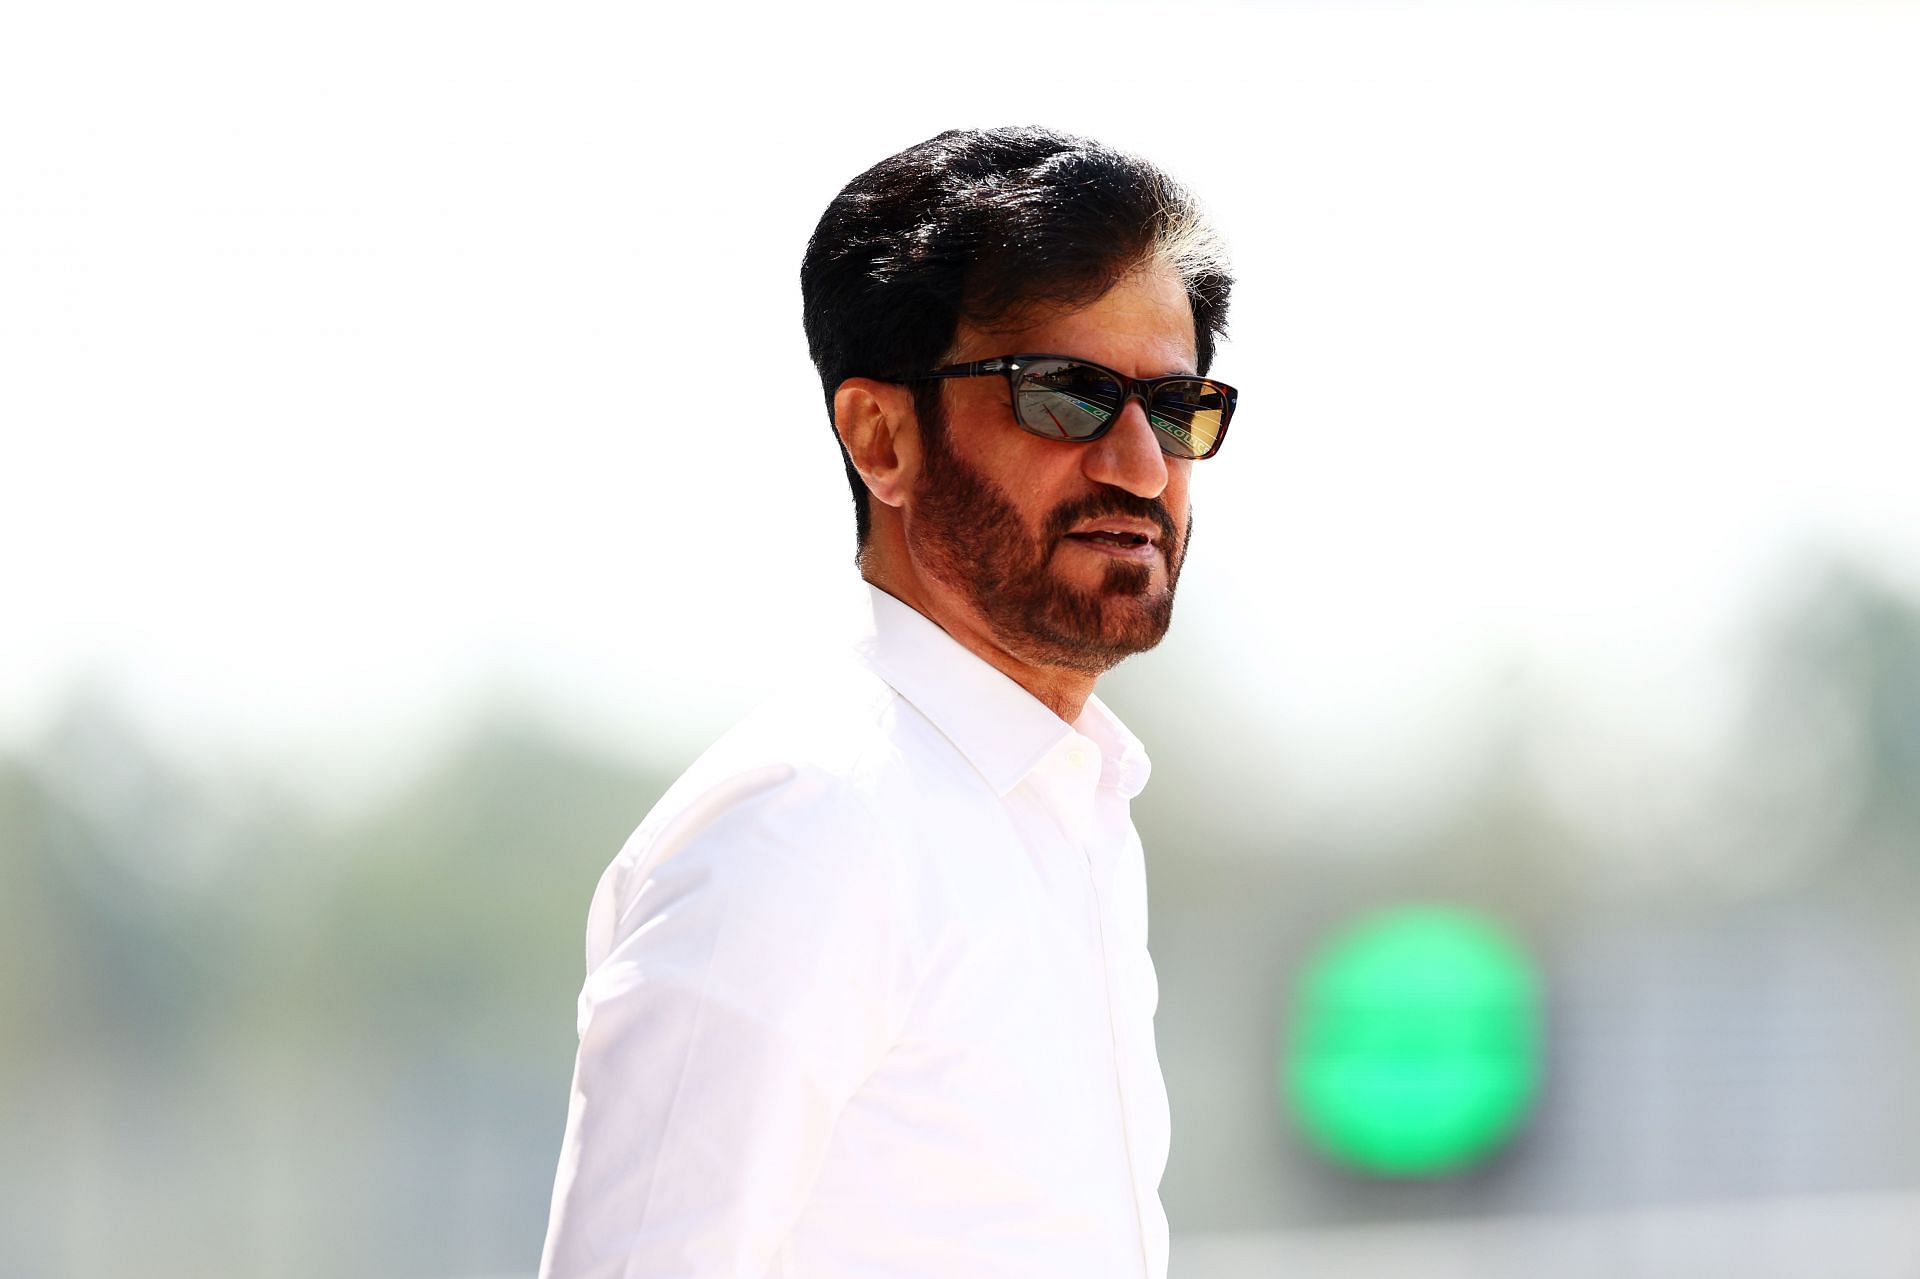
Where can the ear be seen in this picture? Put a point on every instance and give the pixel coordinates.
(877, 425)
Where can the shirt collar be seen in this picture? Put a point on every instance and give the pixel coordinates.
(1003, 730)
(1124, 763)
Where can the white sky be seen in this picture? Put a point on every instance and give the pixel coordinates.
(355, 359)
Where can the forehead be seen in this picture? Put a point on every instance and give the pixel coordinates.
(1142, 326)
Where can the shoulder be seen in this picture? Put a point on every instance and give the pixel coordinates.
(840, 741)
(810, 750)
(794, 805)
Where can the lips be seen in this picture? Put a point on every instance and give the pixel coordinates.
(1106, 537)
(1113, 528)
(1117, 539)
(1117, 526)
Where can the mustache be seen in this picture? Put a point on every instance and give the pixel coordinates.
(1118, 502)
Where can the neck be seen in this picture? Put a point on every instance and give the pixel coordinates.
(1062, 691)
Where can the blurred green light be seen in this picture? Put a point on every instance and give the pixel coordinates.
(1413, 1047)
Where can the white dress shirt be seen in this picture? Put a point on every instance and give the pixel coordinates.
(868, 994)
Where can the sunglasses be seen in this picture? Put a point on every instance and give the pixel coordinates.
(1061, 398)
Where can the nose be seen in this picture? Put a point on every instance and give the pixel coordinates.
(1128, 456)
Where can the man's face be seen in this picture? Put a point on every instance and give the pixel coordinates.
(1004, 524)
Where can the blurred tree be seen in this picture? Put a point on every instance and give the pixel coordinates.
(457, 922)
(1825, 773)
(356, 1032)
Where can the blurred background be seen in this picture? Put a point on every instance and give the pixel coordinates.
(409, 460)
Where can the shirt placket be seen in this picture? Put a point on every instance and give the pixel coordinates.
(1099, 849)
(1130, 993)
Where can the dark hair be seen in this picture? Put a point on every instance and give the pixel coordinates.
(976, 224)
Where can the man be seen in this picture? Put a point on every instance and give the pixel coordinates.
(868, 991)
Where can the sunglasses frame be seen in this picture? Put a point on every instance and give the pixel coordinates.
(1131, 388)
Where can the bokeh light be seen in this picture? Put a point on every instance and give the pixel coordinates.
(1414, 1045)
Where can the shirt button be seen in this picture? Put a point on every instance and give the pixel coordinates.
(1077, 757)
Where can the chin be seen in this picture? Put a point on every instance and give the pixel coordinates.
(1095, 630)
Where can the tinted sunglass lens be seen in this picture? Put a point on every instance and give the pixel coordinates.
(1189, 416)
(1065, 400)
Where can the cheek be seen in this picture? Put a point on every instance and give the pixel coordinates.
(1176, 495)
(1035, 481)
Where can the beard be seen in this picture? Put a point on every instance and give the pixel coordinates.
(971, 538)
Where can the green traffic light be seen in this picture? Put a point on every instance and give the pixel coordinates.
(1414, 1043)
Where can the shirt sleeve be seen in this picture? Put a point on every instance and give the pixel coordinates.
(749, 978)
